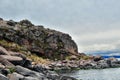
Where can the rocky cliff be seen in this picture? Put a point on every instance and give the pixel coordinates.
(37, 39)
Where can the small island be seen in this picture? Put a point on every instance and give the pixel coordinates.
(32, 52)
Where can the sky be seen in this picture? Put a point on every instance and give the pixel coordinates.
(93, 24)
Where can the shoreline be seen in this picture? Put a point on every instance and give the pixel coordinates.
(96, 63)
(20, 65)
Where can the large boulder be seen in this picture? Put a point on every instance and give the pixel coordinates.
(15, 76)
(29, 73)
(3, 51)
(2, 66)
(44, 42)
(102, 64)
(52, 75)
(113, 62)
(67, 78)
(30, 78)
(98, 58)
(5, 61)
(17, 54)
(13, 59)
(2, 77)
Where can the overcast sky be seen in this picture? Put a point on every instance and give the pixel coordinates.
(93, 24)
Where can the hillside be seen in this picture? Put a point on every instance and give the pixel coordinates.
(25, 36)
(27, 52)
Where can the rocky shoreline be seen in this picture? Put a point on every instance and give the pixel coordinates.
(95, 63)
(18, 67)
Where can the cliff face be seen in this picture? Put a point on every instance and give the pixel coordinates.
(37, 39)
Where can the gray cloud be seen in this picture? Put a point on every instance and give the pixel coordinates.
(76, 17)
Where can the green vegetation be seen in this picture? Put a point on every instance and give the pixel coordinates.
(12, 69)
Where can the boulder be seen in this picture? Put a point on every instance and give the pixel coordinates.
(98, 58)
(2, 66)
(26, 63)
(2, 77)
(39, 68)
(52, 75)
(13, 59)
(102, 64)
(19, 58)
(3, 51)
(113, 62)
(31, 78)
(15, 76)
(25, 23)
(5, 71)
(11, 23)
(5, 62)
(112, 59)
(17, 54)
(14, 53)
(67, 78)
(29, 73)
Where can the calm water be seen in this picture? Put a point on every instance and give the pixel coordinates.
(102, 74)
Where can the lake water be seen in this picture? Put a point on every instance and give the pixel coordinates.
(96, 74)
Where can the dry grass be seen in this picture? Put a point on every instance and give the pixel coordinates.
(85, 57)
(36, 59)
(17, 48)
(12, 46)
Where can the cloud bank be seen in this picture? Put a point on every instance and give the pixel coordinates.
(93, 24)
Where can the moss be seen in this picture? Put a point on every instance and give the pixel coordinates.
(11, 69)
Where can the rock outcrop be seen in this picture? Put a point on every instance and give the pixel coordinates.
(23, 47)
(37, 39)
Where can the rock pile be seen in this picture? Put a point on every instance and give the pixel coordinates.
(97, 62)
(15, 67)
